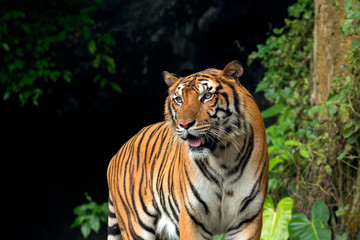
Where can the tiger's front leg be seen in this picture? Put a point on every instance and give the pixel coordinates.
(190, 228)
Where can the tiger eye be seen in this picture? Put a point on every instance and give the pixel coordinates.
(207, 95)
(178, 100)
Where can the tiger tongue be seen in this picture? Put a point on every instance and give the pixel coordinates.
(194, 142)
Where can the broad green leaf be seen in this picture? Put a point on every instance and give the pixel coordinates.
(85, 229)
(272, 111)
(275, 222)
(332, 109)
(300, 228)
(273, 162)
(304, 153)
(320, 216)
(94, 222)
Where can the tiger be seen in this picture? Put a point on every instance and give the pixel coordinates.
(202, 171)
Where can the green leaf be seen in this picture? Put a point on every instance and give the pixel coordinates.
(92, 47)
(5, 46)
(275, 222)
(356, 43)
(300, 228)
(344, 236)
(328, 170)
(85, 229)
(219, 237)
(94, 222)
(304, 153)
(273, 162)
(115, 87)
(272, 111)
(332, 109)
(346, 26)
(78, 221)
(348, 4)
(81, 210)
(67, 76)
(6, 95)
(293, 143)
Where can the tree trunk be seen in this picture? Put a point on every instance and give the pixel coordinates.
(330, 47)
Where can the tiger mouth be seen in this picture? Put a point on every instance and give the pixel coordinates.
(199, 142)
(195, 142)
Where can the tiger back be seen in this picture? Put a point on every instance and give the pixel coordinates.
(203, 171)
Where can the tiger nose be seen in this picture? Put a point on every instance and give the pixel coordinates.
(187, 124)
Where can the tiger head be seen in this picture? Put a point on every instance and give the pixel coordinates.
(205, 109)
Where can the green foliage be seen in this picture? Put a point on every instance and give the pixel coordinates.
(301, 228)
(32, 45)
(275, 221)
(314, 150)
(89, 216)
(219, 237)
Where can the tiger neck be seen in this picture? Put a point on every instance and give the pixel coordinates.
(229, 159)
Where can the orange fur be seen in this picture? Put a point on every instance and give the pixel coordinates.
(203, 171)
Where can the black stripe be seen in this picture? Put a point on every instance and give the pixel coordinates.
(236, 99)
(139, 220)
(111, 214)
(196, 221)
(113, 230)
(139, 147)
(142, 200)
(244, 159)
(195, 192)
(238, 159)
(206, 172)
(134, 234)
(247, 220)
(254, 191)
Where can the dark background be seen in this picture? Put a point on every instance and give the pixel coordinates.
(53, 153)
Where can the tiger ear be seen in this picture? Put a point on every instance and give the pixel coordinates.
(233, 70)
(169, 78)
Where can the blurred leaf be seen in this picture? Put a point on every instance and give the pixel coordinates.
(346, 26)
(273, 162)
(94, 222)
(294, 143)
(332, 109)
(328, 170)
(304, 153)
(5, 46)
(85, 229)
(67, 76)
(272, 111)
(90, 215)
(115, 87)
(6, 95)
(348, 4)
(219, 237)
(92, 47)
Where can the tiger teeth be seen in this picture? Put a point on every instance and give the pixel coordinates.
(202, 141)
